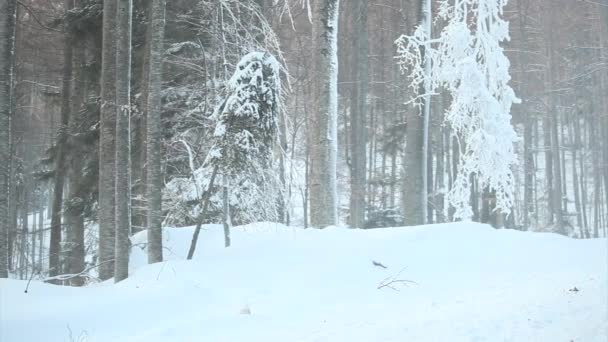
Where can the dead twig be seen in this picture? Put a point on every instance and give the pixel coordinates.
(392, 282)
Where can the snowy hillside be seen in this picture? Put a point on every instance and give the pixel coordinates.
(452, 282)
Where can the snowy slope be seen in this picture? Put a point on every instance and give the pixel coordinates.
(472, 283)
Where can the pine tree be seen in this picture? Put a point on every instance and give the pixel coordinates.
(246, 134)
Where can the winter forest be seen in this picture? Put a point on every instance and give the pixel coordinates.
(303, 170)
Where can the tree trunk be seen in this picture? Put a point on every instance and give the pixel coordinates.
(107, 143)
(359, 92)
(583, 180)
(74, 207)
(60, 153)
(546, 124)
(528, 121)
(24, 265)
(323, 191)
(603, 90)
(154, 177)
(226, 212)
(575, 142)
(40, 234)
(439, 189)
(556, 188)
(414, 187)
(8, 9)
(123, 150)
(139, 127)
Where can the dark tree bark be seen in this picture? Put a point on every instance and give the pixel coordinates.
(123, 151)
(8, 9)
(74, 206)
(60, 152)
(358, 103)
(154, 178)
(413, 185)
(107, 143)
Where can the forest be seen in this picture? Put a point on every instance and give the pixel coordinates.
(134, 125)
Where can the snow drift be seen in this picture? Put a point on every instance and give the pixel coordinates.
(449, 282)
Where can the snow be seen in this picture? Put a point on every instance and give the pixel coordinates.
(277, 283)
(470, 64)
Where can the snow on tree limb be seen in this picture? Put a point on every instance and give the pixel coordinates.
(470, 64)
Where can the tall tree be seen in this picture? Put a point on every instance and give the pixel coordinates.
(358, 109)
(553, 115)
(75, 201)
(324, 151)
(106, 142)
(8, 9)
(413, 185)
(153, 132)
(122, 182)
(60, 149)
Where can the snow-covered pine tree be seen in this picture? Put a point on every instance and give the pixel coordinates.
(244, 139)
(469, 63)
(246, 134)
(247, 120)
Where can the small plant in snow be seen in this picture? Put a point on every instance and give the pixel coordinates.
(469, 63)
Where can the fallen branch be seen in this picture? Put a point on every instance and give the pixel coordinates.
(392, 281)
(83, 273)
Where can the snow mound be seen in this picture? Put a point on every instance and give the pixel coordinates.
(449, 282)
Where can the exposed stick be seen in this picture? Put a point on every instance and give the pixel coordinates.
(391, 281)
(206, 198)
(80, 274)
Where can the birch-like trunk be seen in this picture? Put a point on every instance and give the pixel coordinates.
(123, 151)
(154, 177)
(323, 191)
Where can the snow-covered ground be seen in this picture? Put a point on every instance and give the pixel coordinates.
(465, 282)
